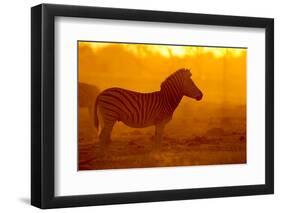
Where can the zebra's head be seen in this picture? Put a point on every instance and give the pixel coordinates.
(189, 87)
(180, 84)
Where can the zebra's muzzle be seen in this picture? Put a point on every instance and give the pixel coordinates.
(199, 97)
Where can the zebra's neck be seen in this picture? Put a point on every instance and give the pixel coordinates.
(171, 98)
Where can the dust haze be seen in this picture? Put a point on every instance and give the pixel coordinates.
(211, 131)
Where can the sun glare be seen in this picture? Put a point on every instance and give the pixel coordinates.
(170, 51)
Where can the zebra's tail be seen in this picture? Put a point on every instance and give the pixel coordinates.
(95, 116)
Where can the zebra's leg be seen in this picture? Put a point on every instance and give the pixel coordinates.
(105, 136)
(159, 129)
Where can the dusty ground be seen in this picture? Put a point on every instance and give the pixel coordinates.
(198, 140)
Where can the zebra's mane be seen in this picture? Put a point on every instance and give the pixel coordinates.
(179, 73)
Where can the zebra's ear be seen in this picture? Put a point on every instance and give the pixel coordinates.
(188, 72)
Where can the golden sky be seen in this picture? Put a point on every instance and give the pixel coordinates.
(220, 73)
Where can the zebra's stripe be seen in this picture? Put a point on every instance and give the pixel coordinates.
(121, 103)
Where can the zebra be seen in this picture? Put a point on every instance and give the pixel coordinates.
(86, 97)
(141, 110)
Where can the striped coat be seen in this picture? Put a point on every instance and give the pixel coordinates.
(140, 110)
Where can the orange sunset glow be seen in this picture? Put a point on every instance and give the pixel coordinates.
(205, 132)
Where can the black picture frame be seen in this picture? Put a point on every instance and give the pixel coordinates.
(43, 102)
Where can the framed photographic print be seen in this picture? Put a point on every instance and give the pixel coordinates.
(139, 106)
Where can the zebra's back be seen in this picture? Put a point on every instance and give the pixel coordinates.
(87, 93)
(135, 109)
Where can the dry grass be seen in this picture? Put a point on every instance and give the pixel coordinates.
(220, 140)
